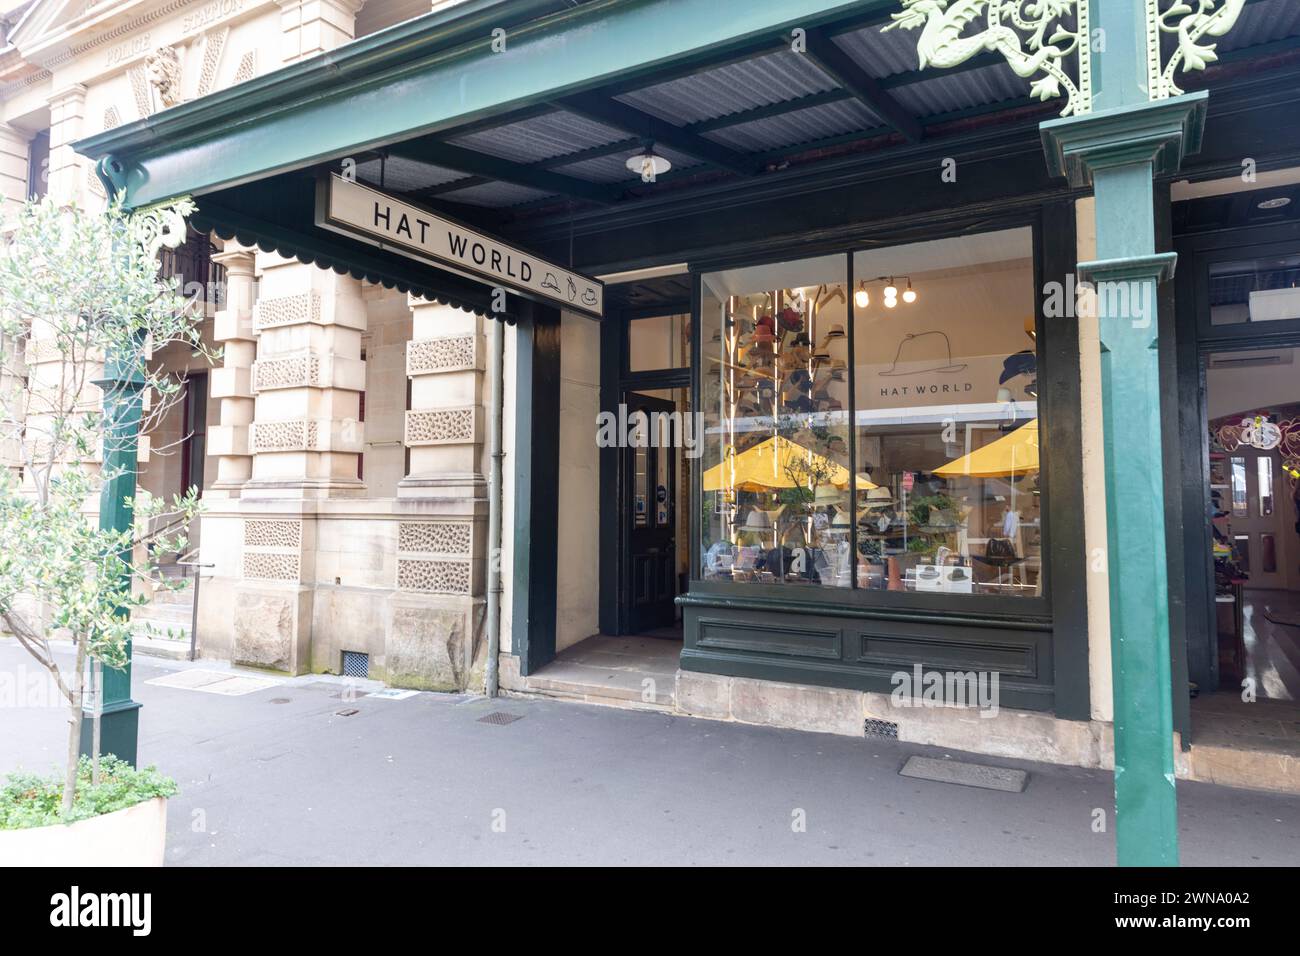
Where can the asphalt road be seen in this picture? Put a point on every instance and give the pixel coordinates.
(278, 776)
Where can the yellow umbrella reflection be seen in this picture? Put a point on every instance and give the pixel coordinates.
(1013, 454)
(777, 462)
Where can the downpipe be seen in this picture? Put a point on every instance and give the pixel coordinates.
(496, 377)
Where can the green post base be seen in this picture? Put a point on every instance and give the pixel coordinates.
(118, 734)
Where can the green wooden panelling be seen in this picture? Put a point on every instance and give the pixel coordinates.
(536, 477)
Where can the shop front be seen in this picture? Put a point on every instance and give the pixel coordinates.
(901, 445)
(874, 489)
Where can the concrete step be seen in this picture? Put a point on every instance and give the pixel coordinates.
(153, 647)
(164, 613)
(170, 631)
(1252, 768)
(622, 688)
(185, 596)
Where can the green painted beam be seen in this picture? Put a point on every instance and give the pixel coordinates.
(600, 108)
(841, 67)
(503, 170)
(349, 101)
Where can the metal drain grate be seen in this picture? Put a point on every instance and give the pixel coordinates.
(500, 717)
(883, 729)
(356, 664)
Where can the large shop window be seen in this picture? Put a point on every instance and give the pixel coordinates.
(935, 343)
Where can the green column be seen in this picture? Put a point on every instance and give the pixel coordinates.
(122, 383)
(1119, 151)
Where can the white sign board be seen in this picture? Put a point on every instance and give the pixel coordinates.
(383, 220)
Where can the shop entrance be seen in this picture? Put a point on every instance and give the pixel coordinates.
(1238, 361)
(1253, 465)
(651, 515)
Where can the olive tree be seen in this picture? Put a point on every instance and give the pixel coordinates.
(83, 307)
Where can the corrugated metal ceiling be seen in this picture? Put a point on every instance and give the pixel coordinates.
(762, 82)
(541, 137)
(405, 175)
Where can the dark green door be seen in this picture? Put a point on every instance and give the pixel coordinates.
(650, 518)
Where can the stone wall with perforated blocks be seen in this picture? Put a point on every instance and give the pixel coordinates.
(444, 427)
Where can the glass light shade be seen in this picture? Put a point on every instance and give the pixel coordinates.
(861, 298)
(909, 296)
(648, 165)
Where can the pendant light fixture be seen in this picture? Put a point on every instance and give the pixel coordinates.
(648, 164)
(861, 298)
(890, 293)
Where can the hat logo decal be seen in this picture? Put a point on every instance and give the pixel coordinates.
(950, 368)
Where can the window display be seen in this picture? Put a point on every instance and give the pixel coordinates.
(930, 483)
(776, 484)
(947, 418)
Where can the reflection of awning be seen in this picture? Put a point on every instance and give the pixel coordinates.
(1012, 454)
(777, 462)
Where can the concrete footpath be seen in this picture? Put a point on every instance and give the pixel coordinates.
(273, 772)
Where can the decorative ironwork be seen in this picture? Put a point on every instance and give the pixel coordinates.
(1019, 30)
(1284, 436)
(1191, 21)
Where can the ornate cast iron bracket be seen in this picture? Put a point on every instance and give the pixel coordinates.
(1040, 38)
(1192, 21)
(1019, 30)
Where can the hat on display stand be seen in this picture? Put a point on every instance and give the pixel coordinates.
(878, 497)
(827, 495)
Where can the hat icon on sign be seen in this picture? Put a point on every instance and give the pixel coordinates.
(589, 297)
(552, 283)
(573, 289)
(950, 368)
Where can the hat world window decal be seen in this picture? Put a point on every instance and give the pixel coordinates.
(383, 220)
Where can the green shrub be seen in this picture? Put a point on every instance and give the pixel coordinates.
(30, 800)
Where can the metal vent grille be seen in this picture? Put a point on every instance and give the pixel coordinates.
(884, 729)
(500, 717)
(356, 664)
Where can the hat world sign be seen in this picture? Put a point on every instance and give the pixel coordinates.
(381, 219)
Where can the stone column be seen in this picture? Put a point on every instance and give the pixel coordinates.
(309, 27)
(444, 426)
(13, 190)
(437, 612)
(307, 382)
(67, 178)
(14, 145)
(232, 383)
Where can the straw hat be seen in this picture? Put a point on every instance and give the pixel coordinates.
(758, 520)
(827, 494)
(878, 497)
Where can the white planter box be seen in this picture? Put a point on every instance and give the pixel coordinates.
(135, 836)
